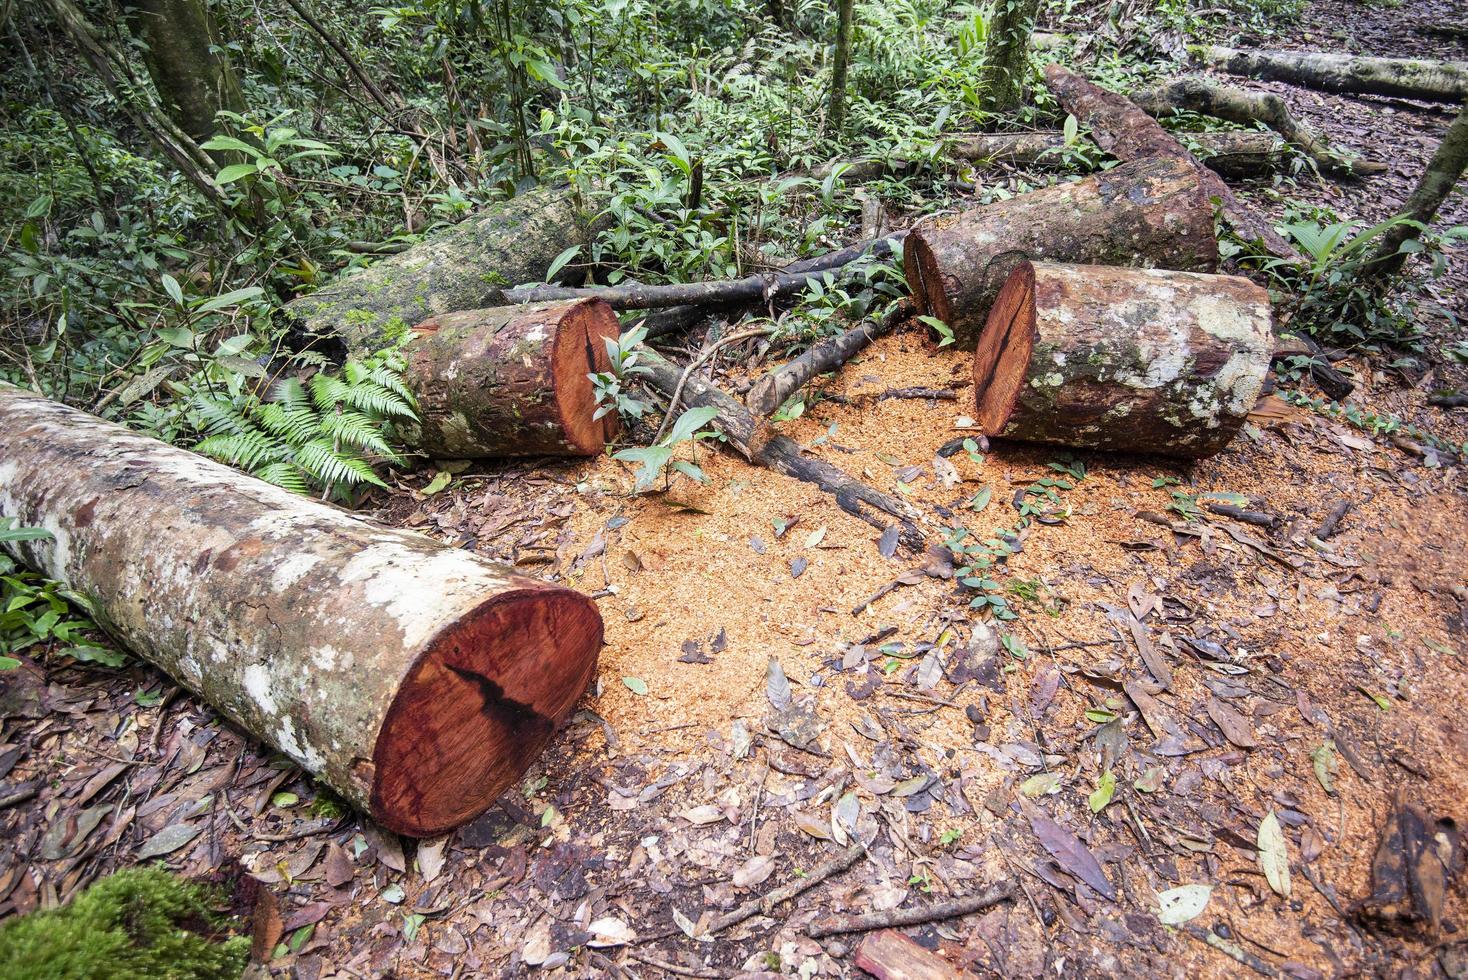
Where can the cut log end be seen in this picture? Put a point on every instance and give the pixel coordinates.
(925, 279)
(580, 352)
(1004, 349)
(479, 706)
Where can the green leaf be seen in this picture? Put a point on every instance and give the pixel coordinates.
(636, 685)
(1105, 790)
(688, 423)
(234, 172)
(232, 298)
(560, 261)
(1274, 858)
(440, 480)
(8, 663)
(12, 534)
(1182, 904)
(222, 142)
(1323, 759)
(173, 289)
(1072, 128)
(1041, 785)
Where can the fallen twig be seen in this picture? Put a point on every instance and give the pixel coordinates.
(1331, 525)
(1255, 517)
(1230, 948)
(940, 394)
(967, 905)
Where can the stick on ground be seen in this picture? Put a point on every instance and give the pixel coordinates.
(966, 905)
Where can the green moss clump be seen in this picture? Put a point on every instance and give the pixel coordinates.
(137, 923)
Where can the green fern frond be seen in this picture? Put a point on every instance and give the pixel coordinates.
(331, 468)
(392, 379)
(360, 432)
(295, 426)
(373, 398)
(246, 450)
(328, 391)
(218, 415)
(291, 393)
(287, 476)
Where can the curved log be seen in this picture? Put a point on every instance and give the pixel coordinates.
(464, 267)
(1407, 78)
(512, 381)
(416, 680)
(1229, 153)
(1139, 360)
(1152, 212)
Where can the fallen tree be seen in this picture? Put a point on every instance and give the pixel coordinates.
(1447, 165)
(757, 442)
(511, 380)
(1136, 360)
(1150, 212)
(1195, 93)
(1408, 78)
(465, 267)
(1126, 132)
(417, 681)
(1229, 153)
(776, 386)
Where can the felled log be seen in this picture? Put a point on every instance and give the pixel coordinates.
(512, 380)
(1229, 153)
(1135, 360)
(1195, 93)
(889, 955)
(1151, 212)
(417, 681)
(1448, 163)
(465, 267)
(1126, 132)
(1408, 78)
(759, 443)
(750, 289)
(776, 386)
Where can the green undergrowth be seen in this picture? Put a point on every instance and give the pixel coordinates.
(141, 923)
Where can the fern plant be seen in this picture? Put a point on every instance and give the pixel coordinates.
(324, 436)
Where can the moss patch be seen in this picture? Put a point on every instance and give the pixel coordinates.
(140, 922)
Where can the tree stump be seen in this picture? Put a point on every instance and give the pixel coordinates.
(1151, 212)
(1122, 359)
(512, 380)
(416, 680)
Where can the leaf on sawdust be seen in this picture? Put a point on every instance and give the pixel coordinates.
(739, 739)
(1151, 780)
(1156, 663)
(813, 825)
(945, 471)
(689, 929)
(798, 567)
(755, 871)
(777, 686)
(610, 931)
(168, 840)
(1068, 851)
(636, 685)
(1381, 702)
(431, 857)
(393, 894)
(1235, 727)
(981, 499)
(700, 815)
(844, 817)
(1274, 858)
(693, 653)
(887, 543)
(1105, 790)
(929, 672)
(1182, 904)
(337, 867)
(1326, 765)
(1041, 785)
(814, 538)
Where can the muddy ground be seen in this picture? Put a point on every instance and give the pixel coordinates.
(774, 691)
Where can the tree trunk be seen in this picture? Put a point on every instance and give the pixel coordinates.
(757, 441)
(416, 680)
(1408, 78)
(466, 267)
(1203, 95)
(1152, 212)
(1130, 360)
(1443, 172)
(840, 58)
(1007, 54)
(776, 386)
(1128, 133)
(1229, 153)
(186, 60)
(512, 381)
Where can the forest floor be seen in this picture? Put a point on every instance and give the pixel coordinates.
(1319, 684)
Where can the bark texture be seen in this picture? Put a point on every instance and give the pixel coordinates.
(185, 59)
(776, 386)
(1203, 95)
(1126, 132)
(1443, 173)
(1408, 78)
(757, 441)
(1152, 212)
(417, 681)
(1007, 54)
(840, 59)
(1130, 360)
(1233, 153)
(466, 267)
(512, 380)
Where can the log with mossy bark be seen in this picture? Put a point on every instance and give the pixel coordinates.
(511, 381)
(1122, 129)
(465, 267)
(1195, 93)
(1407, 78)
(1136, 360)
(1151, 212)
(1229, 153)
(418, 681)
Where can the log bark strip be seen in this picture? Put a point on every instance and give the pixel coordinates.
(1407, 78)
(512, 380)
(417, 681)
(1122, 359)
(1151, 212)
(1126, 132)
(1229, 153)
(466, 267)
(775, 388)
(757, 441)
(1203, 95)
